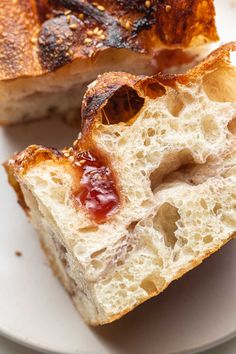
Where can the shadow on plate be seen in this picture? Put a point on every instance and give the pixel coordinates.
(52, 132)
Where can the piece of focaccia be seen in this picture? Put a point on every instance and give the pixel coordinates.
(146, 192)
(51, 50)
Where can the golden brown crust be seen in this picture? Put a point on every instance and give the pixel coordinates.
(33, 155)
(21, 162)
(19, 23)
(95, 100)
(38, 36)
(97, 97)
(186, 20)
(108, 84)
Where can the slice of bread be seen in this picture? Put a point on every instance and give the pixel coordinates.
(146, 192)
(51, 50)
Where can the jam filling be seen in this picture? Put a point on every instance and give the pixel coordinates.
(97, 191)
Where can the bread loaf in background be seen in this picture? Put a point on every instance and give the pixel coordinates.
(51, 50)
(164, 178)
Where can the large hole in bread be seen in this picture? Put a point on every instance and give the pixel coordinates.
(170, 164)
(229, 220)
(132, 225)
(220, 84)
(98, 253)
(210, 127)
(174, 103)
(122, 106)
(149, 286)
(165, 221)
(153, 283)
(181, 167)
(154, 90)
(96, 264)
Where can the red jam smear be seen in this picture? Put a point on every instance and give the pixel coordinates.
(97, 191)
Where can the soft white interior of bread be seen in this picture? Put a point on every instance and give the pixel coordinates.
(60, 92)
(176, 166)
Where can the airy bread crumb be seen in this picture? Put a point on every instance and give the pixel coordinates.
(172, 149)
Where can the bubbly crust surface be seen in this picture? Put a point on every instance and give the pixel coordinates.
(39, 36)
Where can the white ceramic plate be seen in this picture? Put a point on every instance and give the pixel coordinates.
(194, 313)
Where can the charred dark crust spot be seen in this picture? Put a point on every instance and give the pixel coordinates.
(102, 17)
(37, 37)
(55, 40)
(93, 103)
(108, 84)
(83, 7)
(143, 24)
(148, 20)
(117, 35)
(174, 23)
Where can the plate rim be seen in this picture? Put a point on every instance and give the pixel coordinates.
(27, 343)
(19, 338)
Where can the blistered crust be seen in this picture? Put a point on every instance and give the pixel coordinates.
(97, 96)
(40, 36)
(108, 84)
(94, 101)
